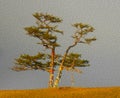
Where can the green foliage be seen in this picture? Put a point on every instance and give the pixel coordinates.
(47, 17)
(81, 33)
(74, 60)
(27, 62)
(41, 61)
(45, 29)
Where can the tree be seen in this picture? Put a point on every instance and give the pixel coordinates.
(46, 30)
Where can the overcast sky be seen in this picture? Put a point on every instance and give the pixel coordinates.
(104, 54)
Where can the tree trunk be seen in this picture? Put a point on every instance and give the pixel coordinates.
(51, 72)
(59, 75)
(57, 80)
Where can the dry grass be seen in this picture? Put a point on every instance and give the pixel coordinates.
(63, 92)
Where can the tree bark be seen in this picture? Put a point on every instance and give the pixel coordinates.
(51, 72)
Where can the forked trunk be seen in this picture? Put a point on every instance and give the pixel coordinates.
(59, 75)
(51, 72)
(57, 80)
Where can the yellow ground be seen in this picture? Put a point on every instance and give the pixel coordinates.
(63, 92)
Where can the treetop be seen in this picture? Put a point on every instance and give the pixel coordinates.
(47, 17)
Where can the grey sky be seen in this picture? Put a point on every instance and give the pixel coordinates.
(103, 15)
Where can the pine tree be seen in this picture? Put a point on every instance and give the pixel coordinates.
(80, 36)
(46, 30)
